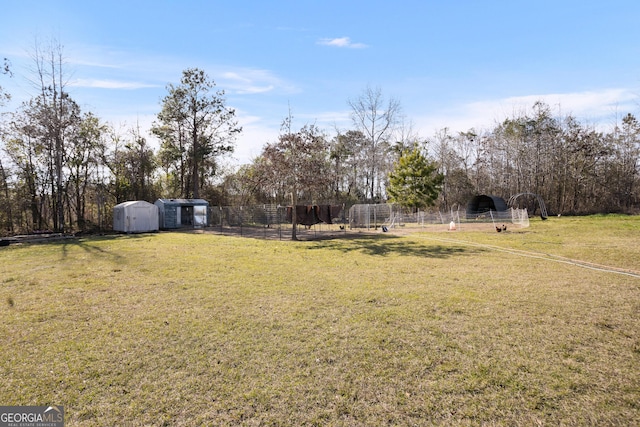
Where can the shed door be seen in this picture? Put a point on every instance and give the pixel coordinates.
(186, 215)
(199, 216)
(140, 220)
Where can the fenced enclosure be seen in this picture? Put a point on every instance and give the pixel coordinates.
(389, 216)
(274, 221)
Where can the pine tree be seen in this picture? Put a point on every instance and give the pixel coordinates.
(414, 181)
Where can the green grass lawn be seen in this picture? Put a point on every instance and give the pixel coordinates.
(537, 326)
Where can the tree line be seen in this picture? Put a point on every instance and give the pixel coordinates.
(63, 169)
(574, 167)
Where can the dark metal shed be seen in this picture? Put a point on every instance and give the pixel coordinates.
(182, 213)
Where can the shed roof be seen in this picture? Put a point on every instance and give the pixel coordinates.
(183, 201)
(132, 202)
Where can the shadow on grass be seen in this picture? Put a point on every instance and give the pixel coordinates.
(85, 243)
(382, 245)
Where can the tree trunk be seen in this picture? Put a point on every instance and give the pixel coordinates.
(5, 188)
(294, 216)
(196, 180)
(59, 186)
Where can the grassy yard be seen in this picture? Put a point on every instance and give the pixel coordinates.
(538, 326)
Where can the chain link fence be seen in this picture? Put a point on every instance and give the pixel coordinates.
(272, 222)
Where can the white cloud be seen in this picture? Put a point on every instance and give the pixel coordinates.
(257, 131)
(93, 63)
(326, 120)
(255, 134)
(109, 84)
(245, 81)
(341, 42)
(599, 107)
(588, 104)
(248, 90)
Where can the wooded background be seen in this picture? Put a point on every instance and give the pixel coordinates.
(63, 169)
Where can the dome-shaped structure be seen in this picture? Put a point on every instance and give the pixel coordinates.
(483, 203)
(543, 207)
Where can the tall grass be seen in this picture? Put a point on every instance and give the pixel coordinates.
(464, 328)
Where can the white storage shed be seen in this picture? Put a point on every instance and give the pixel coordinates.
(135, 217)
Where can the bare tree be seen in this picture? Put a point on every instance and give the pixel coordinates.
(132, 165)
(298, 162)
(347, 154)
(56, 112)
(83, 159)
(377, 120)
(6, 212)
(6, 69)
(5, 198)
(447, 159)
(31, 162)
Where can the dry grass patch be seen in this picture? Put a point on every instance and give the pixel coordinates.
(196, 329)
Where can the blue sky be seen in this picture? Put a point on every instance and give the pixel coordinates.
(455, 64)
